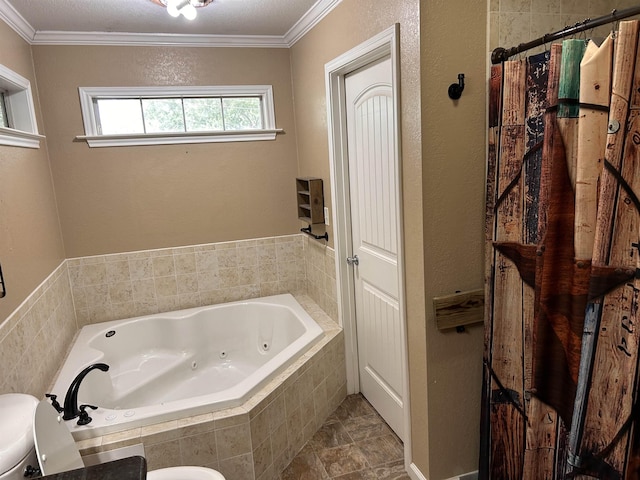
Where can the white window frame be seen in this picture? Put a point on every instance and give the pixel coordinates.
(21, 115)
(92, 136)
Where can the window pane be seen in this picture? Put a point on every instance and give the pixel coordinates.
(242, 113)
(4, 122)
(120, 116)
(203, 114)
(163, 115)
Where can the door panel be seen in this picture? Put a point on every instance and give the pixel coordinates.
(374, 217)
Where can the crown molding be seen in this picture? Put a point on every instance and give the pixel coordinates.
(11, 17)
(309, 20)
(156, 39)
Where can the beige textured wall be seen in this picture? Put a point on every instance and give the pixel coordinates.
(453, 152)
(30, 241)
(350, 24)
(132, 198)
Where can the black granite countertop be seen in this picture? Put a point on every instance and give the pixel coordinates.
(130, 468)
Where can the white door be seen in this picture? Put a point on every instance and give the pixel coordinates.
(374, 222)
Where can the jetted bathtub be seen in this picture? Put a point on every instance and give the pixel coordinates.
(184, 363)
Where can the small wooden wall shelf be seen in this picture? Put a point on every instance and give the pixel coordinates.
(310, 200)
(459, 309)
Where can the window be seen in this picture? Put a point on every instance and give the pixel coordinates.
(162, 115)
(17, 116)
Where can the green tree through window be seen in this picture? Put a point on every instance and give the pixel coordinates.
(169, 115)
(202, 114)
(165, 115)
(241, 113)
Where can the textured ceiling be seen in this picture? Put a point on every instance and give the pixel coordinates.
(222, 17)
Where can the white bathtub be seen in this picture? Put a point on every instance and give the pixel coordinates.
(171, 365)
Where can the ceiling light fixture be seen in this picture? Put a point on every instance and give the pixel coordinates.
(186, 8)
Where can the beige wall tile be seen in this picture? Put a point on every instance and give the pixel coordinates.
(574, 7)
(187, 283)
(266, 253)
(206, 260)
(260, 428)
(247, 255)
(545, 6)
(168, 304)
(279, 440)
(275, 413)
(121, 292)
(515, 5)
(248, 274)
(262, 458)
(94, 274)
(118, 271)
(237, 467)
(227, 258)
(233, 441)
(185, 263)
(163, 266)
(514, 28)
(144, 290)
(166, 286)
(543, 23)
(208, 280)
(140, 268)
(199, 449)
(163, 455)
(228, 277)
(159, 433)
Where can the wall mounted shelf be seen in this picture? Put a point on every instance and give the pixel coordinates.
(310, 200)
(459, 309)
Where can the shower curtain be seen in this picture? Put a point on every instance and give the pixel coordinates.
(560, 388)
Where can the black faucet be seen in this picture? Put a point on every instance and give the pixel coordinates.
(71, 399)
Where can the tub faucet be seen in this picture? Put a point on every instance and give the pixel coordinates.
(71, 399)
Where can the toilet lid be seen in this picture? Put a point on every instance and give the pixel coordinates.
(55, 447)
(16, 418)
(185, 473)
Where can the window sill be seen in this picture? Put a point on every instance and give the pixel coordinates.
(18, 138)
(178, 138)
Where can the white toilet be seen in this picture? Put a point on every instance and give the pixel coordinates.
(34, 433)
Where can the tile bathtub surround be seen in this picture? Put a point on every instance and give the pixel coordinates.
(110, 287)
(321, 275)
(35, 338)
(257, 440)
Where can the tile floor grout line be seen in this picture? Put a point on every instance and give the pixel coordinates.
(334, 438)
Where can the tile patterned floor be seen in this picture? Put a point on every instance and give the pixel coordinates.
(353, 444)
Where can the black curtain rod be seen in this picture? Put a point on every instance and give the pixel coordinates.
(501, 54)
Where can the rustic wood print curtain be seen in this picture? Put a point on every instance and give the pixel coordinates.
(561, 395)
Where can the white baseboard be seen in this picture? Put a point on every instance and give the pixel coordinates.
(414, 473)
(466, 476)
(470, 476)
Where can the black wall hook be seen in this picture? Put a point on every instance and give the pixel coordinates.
(455, 89)
(3, 288)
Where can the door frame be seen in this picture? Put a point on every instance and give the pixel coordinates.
(386, 43)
